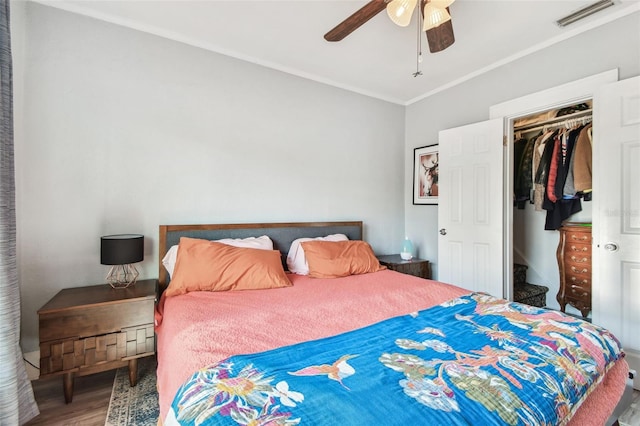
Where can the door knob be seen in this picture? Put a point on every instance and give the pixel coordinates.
(443, 231)
(611, 247)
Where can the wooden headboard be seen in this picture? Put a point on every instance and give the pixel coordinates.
(282, 235)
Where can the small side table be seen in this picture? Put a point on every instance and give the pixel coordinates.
(416, 267)
(86, 330)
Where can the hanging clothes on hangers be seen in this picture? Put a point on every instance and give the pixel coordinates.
(518, 150)
(522, 179)
(582, 173)
(542, 173)
(551, 169)
(539, 183)
(580, 160)
(565, 163)
(558, 207)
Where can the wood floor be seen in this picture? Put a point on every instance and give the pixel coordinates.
(91, 401)
(631, 417)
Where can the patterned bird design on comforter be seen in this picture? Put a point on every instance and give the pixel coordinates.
(472, 360)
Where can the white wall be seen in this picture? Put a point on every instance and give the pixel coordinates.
(536, 248)
(120, 131)
(614, 45)
(124, 131)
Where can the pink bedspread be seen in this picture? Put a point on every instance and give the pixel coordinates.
(201, 328)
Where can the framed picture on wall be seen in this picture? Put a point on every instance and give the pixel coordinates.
(425, 175)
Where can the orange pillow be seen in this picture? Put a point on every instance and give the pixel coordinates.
(333, 259)
(210, 266)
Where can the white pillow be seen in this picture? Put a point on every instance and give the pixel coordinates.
(261, 243)
(296, 260)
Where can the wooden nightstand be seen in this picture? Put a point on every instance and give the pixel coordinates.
(417, 267)
(87, 330)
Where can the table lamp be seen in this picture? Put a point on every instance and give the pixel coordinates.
(121, 251)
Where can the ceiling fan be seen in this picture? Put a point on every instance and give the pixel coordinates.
(437, 21)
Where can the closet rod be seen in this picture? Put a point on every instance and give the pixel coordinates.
(541, 124)
(570, 122)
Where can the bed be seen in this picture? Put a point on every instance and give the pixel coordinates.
(365, 348)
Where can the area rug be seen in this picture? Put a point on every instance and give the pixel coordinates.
(137, 405)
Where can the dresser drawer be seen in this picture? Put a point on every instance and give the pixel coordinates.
(579, 237)
(85, 321)
(579, 292)
(69, 354)
(579, 281)
(577, 270)
(416, 267)
(583, 257)
(579, 303)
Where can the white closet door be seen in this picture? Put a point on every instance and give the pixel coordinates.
(470, 211)
(616, 225)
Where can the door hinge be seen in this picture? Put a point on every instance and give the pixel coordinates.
(504, 140)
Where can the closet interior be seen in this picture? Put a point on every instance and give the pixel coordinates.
(552, 208)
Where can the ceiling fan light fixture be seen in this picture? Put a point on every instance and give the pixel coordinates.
(434, 16)
(400, 11)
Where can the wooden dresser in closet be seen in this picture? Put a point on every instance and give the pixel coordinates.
(574, 262)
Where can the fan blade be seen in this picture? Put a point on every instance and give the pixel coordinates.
(440, 37)
(356, 20)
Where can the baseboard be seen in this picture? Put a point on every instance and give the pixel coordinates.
(633, 359)
(33, 358)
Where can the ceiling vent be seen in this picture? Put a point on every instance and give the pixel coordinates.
(584, 12)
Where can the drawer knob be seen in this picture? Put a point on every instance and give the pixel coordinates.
(576, 248)
(575, 291)
(577, 259)
(583, 282)
(583, 270)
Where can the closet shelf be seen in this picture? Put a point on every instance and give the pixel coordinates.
(553, 121)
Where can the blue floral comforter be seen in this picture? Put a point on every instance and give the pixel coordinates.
(475, 360)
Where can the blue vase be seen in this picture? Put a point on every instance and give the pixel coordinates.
(407, 249)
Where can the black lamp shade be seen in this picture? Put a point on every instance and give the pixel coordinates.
(121, 249)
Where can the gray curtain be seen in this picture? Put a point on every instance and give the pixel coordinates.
(17, 405)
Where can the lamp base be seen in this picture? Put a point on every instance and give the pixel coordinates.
(406, 255)
(122, 276)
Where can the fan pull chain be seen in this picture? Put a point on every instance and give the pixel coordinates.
(419, 42)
